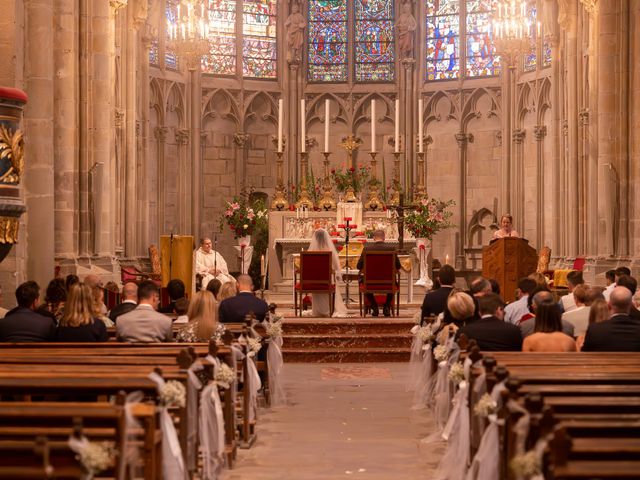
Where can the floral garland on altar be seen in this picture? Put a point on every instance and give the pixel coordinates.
(429, 217)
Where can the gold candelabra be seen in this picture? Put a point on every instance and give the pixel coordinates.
(279, 199)
(397, 188)
(327, 202)
(351, 144)
(374, 202)
(304, 201)
(420, 191)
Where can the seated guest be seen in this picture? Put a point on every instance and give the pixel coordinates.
(23, 323)
(617, 273)
(527, 327)
(214, 287)
(93, 282)
(3, 311)
(203, 320)
(461, 308)
(78, 324)
(506, 228)
(182, 307)
(567, 302)
(144, 324)
(579, 317)
(598, 312)
(490, 331)
(227, 290)
(54, 300)
(176, 290)
(378, 245)
(129, 301)
(71, 279)
(610, 280)
(210, 264)
(631, 284)
(548, 336)
(234, 309)
(435, 301)
(480, 287)
(98, 303)
(620, 333)
(515, 310)
(539, 278)
(495, 286)
(111, 286)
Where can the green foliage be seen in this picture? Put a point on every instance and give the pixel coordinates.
(429, 217)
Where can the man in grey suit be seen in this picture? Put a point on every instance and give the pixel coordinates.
(144, 324)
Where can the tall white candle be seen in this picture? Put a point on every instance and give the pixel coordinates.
(373, 125)
(280, 126)
(326, 125)
(397, 136)
(303, 127)
(420, 126)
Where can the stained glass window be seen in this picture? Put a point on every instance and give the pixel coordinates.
(171, 13)
(259, 38)
(546, 50)
(374, 45)
(327, 49)
(221, 59)
(480, 59)
(531, 57)
(443, 37)
(154, 52)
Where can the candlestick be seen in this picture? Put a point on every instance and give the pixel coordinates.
(280, 122)
(303, 127)
(397, 133)
(303, 197)
(420, 125)
(373, 126)
(326, 125)
(374, 202)
(262, 266)
(446, 259)
(327, 202)
(279, 199)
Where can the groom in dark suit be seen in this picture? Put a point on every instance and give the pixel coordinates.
(378, 245)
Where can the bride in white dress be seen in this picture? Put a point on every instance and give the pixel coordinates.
(321, 242)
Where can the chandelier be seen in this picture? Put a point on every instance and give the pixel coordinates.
(512, 29)
(188, 33)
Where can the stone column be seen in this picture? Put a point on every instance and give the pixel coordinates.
(463, 139)
(196, 153)
(406, 124)
(506, 185)
(571, 92)
(293, 143)
(66, 133)
(540, 131)
(39, 140)
(517, 179)
(160, 134)
(183, 208)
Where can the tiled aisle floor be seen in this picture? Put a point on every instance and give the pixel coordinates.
(351, 421)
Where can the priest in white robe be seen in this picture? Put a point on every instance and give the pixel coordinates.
(210, 264)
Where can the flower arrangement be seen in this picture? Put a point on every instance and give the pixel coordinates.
(526, 465)
(274, 329)
(354, 177)
(485, 406)
(456, 373)
(241, 217)
(96, 457)
(428, 217)
(425, 334)
(441, 353)
(254, 345)
(173, 393)
(225, 376)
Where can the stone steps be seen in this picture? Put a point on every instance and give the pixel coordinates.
(358, 340)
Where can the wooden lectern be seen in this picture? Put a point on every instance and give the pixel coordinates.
(507, 260)
(176, 254)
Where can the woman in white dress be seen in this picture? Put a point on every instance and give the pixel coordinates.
(321, 242)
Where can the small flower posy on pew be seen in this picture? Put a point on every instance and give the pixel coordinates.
(97, 457)
(173, 393)
(225, 376)
(441, 353)
(456, 373)
(274, 328)
(526, 465)
(254, 345)
(425, 334)
(485, 406)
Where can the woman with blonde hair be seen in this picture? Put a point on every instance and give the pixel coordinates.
(78, 323)
(227, 290)
(98, 306)
(203, 319)
(599, 312)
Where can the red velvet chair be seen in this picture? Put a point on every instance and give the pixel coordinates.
(379, 276)
(316, 276)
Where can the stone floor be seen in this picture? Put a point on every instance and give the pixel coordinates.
(341, 421)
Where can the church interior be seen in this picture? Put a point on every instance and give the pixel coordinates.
(236, 141)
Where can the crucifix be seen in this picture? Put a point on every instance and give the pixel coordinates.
(400, 209)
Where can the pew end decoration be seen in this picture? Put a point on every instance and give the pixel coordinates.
(225, 376)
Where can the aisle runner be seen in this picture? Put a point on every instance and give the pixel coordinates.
(354, 373)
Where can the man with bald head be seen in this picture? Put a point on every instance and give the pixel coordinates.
(528, 326)
(620, 333)
(129, 301)
(234, 309)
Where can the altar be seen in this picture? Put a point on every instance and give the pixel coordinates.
(290, 232)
